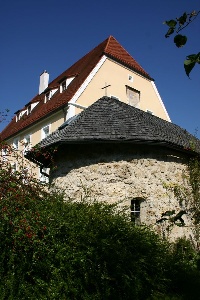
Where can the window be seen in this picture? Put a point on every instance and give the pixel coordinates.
(47, 97)
(64, 82)
(130, 78)
(45, 131)
(29, 110)
(64, 86)
(49, 94)
(25, 176)
(44, 176)
(20, 115)
(4, 153)
(27, 142)
(133, 96)
(16, 144)
(135, 210)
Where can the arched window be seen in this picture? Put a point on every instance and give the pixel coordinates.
(136, 209)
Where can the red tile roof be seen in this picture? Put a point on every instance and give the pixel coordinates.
(81, 69)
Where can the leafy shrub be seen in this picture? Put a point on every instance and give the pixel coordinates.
(51, 249)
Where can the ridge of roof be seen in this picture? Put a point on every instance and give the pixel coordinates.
(81, 70)
(112, 121)
(117, 52)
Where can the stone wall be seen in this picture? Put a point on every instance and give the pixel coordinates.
(121, 172)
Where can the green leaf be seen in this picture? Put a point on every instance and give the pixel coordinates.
(198, 58)
(19, 232)
(6, 218)
(192, 57)
(190, 62)
(171, 23)
(182, 19)
(169, 32)
(188, 66)
(180, 40)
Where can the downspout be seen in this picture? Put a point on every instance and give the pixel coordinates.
(65, 110)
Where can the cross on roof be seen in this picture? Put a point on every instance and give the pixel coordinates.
(105, 87)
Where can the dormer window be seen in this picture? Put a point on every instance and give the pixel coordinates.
(49, 94)
(17, 115)
(20, 115)
(63, 86)
(65, 82)
(47, 97)
(29, 110)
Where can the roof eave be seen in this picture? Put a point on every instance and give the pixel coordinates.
(42, 162)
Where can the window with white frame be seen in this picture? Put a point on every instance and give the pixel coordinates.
(27, 142)
(20, 115)
(25, 175)
(47, 97)
(16, 143)
(63, 86)
(29, 110)
(44, 178)
(4, 153)
(49, 94)
(45, 131)
(135, 210)
(133, 96)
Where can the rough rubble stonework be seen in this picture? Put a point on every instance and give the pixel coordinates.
(118, 153)
(123, 172)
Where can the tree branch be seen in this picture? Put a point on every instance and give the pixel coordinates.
(189, 22)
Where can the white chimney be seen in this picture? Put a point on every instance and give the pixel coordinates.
(44, 81)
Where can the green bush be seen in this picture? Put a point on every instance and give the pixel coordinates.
(55, 250)
(51, 249)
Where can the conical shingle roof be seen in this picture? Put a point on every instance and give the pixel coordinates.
(112, 121)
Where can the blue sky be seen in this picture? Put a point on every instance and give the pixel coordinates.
(53, 34)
